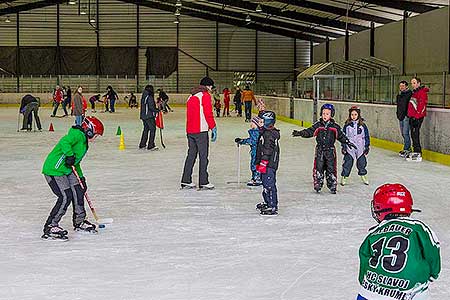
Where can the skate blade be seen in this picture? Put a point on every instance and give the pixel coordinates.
(205, 189)
(81, 231)
(414, 159)
(53, 238)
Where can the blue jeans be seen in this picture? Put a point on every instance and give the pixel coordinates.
(269, 181)
(78, 120)
(404, 129)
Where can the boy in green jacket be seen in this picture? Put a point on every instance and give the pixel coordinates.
(400, 256)
(59, 175)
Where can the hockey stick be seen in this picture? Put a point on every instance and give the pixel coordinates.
(238, 167)
(91, 205)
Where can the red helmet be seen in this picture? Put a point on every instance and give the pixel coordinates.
(391, 199)
(92, 126)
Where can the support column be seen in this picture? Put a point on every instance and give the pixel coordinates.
(178, 57)
(58, 47)
(97, 34)
(18, 52)
(256, 56)
(347, 45)
(217, 45)
(404, 38)
(311, 53)
(372, 39)
(294, 80)
(327, 50)
(137, 47)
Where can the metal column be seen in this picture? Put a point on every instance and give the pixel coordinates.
(178, 59)
(137, 47)
(18, 52)
(256, 56)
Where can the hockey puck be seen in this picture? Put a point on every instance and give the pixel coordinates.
(101, 226)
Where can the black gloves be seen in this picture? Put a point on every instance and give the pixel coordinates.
(366, 150)
(237, 140)
(351, 145)
(83, 180)
(70, 160)
(297, 133)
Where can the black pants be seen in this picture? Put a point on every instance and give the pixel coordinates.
(238, 108)
(55, 109)
(68, 190)
(197, 144)
(415, 125)
(325, 166)
(32, 107)
(248, 110)
(269, 193)
(148, 134)
(65, 104)
(361, 164)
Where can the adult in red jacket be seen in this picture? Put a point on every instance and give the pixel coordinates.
(199, 120)
(417, 110)
(226, 101)
(57, 100)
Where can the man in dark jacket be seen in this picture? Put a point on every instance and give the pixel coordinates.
(28, 105)
(402, 115)
(148, 115)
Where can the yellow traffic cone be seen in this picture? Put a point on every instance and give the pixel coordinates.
(122, 142)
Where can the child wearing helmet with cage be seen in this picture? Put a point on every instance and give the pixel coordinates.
(326, 132)
(267, 158)
(356, 131)
(58, 172)
(400, 256)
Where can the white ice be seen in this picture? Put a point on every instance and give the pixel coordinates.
(167, 243)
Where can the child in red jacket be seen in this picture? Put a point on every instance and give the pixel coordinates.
(226, 101)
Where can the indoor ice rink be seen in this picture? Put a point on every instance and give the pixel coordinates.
(163, 242)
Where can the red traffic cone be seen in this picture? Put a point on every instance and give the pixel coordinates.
(51, 127)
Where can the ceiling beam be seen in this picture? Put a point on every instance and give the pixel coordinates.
(29, 6)
(290, 14)
(337, 11)
(403, 5)
(208, 15)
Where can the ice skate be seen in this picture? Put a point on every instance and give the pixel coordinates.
(254, 182)
(404, 153)
(55, 233)
(333, 191)
(208, 186)
(153, 149)
(185, 185)
(261, 206)
(344, 180)
(269, 211)
(414, 156)
(364, 179)
(86, 227)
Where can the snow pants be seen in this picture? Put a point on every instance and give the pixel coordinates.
(269, 182)
(198, 144)
(325, 166)
(255, 174)
(226, 108)
(361, 164)
(31, 108)
(148, 134)
(68, 190)
(248, 110)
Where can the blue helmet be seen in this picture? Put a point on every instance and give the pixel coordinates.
(269, 118)
(328, 106)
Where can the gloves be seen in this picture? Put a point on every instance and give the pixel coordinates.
(366, 150)
(22, 111)
(351, 145)
(344, 151)
(84, 187)
(262, 167)
(70, 160)
(296, 133)
(214, 134)
(237, 140)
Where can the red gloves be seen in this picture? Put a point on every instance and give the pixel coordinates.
(262, 167)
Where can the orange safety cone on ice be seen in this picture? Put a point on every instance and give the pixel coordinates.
(51, 127)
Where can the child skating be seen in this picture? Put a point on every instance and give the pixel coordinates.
(358, 134)
(217, 104)
(400, 256)
(252, 141)
(58, 173)
(267, 158)
(326, 132)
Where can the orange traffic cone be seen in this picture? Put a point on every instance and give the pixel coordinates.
(51, 127)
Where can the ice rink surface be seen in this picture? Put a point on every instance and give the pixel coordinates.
(167, 243)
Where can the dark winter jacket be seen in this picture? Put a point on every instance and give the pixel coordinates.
(163, 96)
(326, 133)
(77, 104)
(402, 104)
(237, 97)
(148, 106)
(27, 99)
(417, 107)
(268, 148)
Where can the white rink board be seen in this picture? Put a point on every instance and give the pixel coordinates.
(167, 243)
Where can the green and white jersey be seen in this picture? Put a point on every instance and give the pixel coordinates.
(398, 259)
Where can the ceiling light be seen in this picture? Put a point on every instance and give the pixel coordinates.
(248, 19)
(177, 21)
(92, 20)
(258, 8)
(72, 2)
(7, 20)
(177, 12)
(178, 4)
(82, 12)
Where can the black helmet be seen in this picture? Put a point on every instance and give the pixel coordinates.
(206, 81)
(328, 106)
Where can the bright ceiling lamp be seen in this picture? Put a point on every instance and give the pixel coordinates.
(178, 4)
(177, 21)
(177, 12)
(72, 2)
(7, 20)
(258, 8)
(248, 19)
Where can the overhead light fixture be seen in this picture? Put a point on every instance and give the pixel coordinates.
(178, 4)
(177, 12)
(258, 8)
(7, 20)
(177, 21)
(83, 10)
(72, 2)
(92, 20)
(248, 19)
